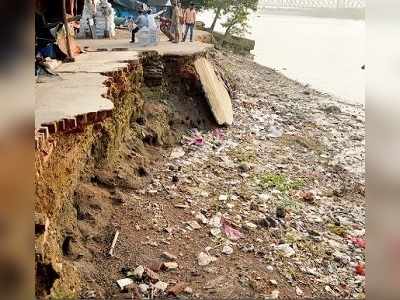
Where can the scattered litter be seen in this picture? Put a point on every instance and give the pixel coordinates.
(249, 226)
(275, 132)
(360, 269)
(273, 282)
(182, 206)
(231, 233)
(286, 250)
(299, 291)
(215, 221)
(215, 232)
(223, 198)
(114, 242)
(138, 272)
(359, 242)
(202, 218)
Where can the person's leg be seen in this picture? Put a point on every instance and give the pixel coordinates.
(186, 32)
(134, 31)
(191, 32)
(133, 36)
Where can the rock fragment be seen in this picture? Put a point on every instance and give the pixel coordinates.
(205, 259)
(168, 256)
(227, 250)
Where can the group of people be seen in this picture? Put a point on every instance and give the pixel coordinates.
(182, 17)
(173, 27)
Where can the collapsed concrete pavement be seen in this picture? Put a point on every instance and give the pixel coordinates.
(84, 117)
(272, 206)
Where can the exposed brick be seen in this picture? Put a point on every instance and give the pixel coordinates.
(61, 125)
(101, 115)
(70, 124)
(52, 127)
(91, 117)
(81, 120)
(44, 131)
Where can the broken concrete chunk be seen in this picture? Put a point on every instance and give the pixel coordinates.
(249, 226)
(194, 224)
(177, 289)
(151, 275)
(204, 259)
(160, 286)
(202, 218)
(138, 272)
(143, 288)
(123, 283)
(169, 266)
(168, 256)
(286, 250)
(215, 91)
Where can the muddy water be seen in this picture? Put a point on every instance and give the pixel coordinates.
(323, 52)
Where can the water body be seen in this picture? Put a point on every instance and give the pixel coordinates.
(325, 53)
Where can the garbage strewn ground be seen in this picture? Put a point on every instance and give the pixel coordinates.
(271, 207)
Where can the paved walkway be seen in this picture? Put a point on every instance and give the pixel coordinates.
(163, 47)
(79, 87)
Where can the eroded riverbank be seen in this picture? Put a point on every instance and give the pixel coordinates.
(273, 204)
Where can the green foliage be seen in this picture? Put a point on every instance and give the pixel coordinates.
(238, 15)
(279, 182)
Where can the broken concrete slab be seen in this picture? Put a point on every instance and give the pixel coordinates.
(216, 93)
(163, 47)
(99, 62)
(76, 94)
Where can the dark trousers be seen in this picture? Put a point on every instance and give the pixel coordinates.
(191, 28)
(134, 31)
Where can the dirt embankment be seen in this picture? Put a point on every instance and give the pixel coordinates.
(272, 206)
(91, 171)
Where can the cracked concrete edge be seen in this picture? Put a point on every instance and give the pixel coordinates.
(77, 123)
(69, 125)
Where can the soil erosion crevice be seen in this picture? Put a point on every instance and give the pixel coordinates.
(92, 171)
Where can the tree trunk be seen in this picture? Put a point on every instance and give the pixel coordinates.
(217, 15)
(227, 32)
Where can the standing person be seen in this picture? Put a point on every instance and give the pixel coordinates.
(190, 21)
(181, 19)
(175, 21)
(141, 21)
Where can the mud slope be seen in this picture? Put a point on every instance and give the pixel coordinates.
(94, 171)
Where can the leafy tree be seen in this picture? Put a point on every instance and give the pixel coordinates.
(237, 12)
(238, 15)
